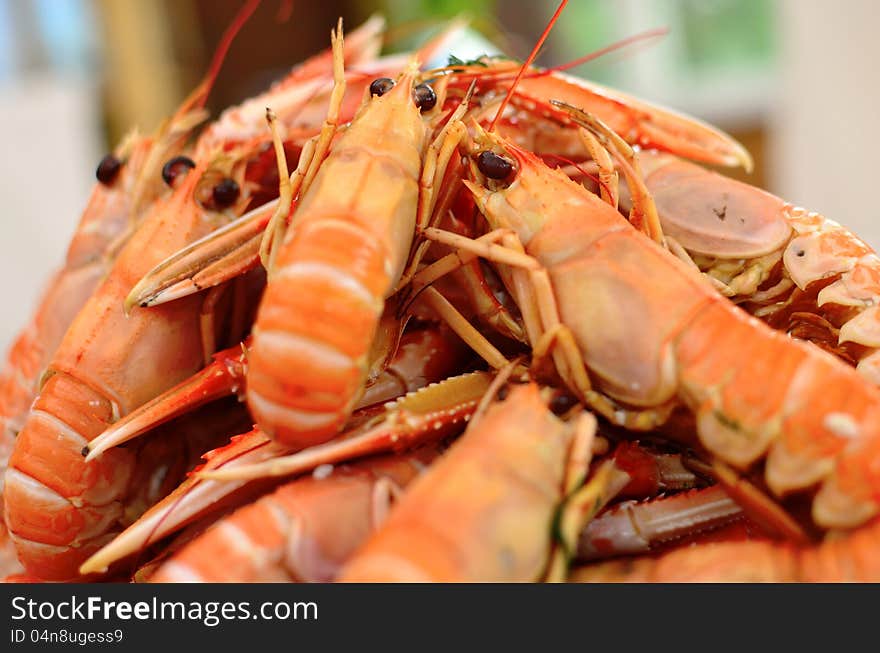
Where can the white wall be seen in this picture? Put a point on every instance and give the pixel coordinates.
(825, 137)
(50, 151)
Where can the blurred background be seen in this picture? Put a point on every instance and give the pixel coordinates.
(793, 80)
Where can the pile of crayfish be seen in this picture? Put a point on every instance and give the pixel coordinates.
(484, 322)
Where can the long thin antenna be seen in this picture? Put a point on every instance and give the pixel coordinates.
(199, 96)
(226, 40)
(528, 62)
(617, 45)
(657, 32)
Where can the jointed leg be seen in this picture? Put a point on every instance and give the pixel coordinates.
(533, 291)
(437, 160)
(472, 281)
(643, 214)
(578, 509)
(537, 284)
(313, 154)
(608, 177)
(548, 334)
(451, 262)
(207, 321)
(463, 329)
(274, 233)
(331, 123)
(486, 247)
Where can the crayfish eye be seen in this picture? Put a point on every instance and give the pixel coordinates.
(381, 86)
(108, 168)
(561, 403)
(493, 165)
(225, 193)
(176, 167)
(424, 97)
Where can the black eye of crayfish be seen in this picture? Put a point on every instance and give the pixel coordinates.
(225, 193)
(494, 166)
(381, 86)
(108, 168)
(561, 403)
(176, 167)
(424, 97)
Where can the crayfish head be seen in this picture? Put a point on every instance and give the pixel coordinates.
(513, 188)
(493, 161)
(407, 90)
(220, 190)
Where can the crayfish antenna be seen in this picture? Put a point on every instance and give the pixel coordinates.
(657, 32)
(643, 214)
(190, 113)
(199, 95)
(528, 62)
(311, 157)
(275, 228)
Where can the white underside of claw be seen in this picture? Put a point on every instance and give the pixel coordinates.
(806, 260)
(864, 328)
(821, 249)
(869, 367)
(833, 508)
(858, 287)
(787, 471)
